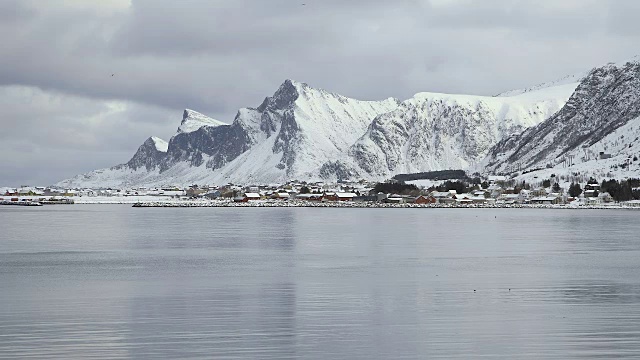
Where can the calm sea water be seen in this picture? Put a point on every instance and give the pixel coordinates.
(111, 281)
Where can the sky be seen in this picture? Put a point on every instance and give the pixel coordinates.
(84, 83)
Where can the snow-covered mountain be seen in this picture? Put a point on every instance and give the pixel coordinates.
(305, 133)
(602, 116)
(290, 135)
(439, 131)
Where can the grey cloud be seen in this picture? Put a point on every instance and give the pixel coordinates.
(622, 18)
(216, 27)
(22, 165)
(51, 133)
(216, 56)
(574, 17)
(13, 11)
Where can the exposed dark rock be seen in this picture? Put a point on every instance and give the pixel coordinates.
(147, 156)
(604, 101)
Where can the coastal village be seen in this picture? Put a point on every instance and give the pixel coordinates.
(494, 191)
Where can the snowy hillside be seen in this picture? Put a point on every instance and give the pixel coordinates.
(439, 131)
(623, 145)
(570, 80)
(600, 117)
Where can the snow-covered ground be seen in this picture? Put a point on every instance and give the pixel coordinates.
(122, 199)
(106, 199)
(425, 183)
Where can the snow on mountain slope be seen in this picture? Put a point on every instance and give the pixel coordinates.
(605, 101)
(160, 144)
(310, 134)
(302, 130)
(440, 131)
(622, 144)
(193, 120)
(291, 134)
(569, 80)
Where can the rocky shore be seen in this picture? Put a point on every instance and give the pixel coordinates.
(349, 204)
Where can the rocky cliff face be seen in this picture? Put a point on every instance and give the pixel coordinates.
(218, 145)
(607, 99)
(149, 154)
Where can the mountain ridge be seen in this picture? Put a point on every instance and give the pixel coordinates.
(607, 99)
(305, 133)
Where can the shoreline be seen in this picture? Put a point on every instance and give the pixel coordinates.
(270, 203)
(366, 205)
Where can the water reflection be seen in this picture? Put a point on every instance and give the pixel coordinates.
(592, 292)
(117, 282)
(216, 322)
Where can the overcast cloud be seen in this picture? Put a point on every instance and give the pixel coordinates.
(63, 113)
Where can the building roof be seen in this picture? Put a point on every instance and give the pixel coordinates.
(308, 196)
(439, 194)
(545, 198)
(463, 196)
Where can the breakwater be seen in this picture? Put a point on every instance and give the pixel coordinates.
(368, 205)
(21, 203)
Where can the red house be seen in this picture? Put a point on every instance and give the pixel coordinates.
(425, 199)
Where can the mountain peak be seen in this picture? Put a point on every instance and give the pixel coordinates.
(193, 120)
(188, 113)
(159, 144)
(291, 82)
(633, 60)
(286, 94)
